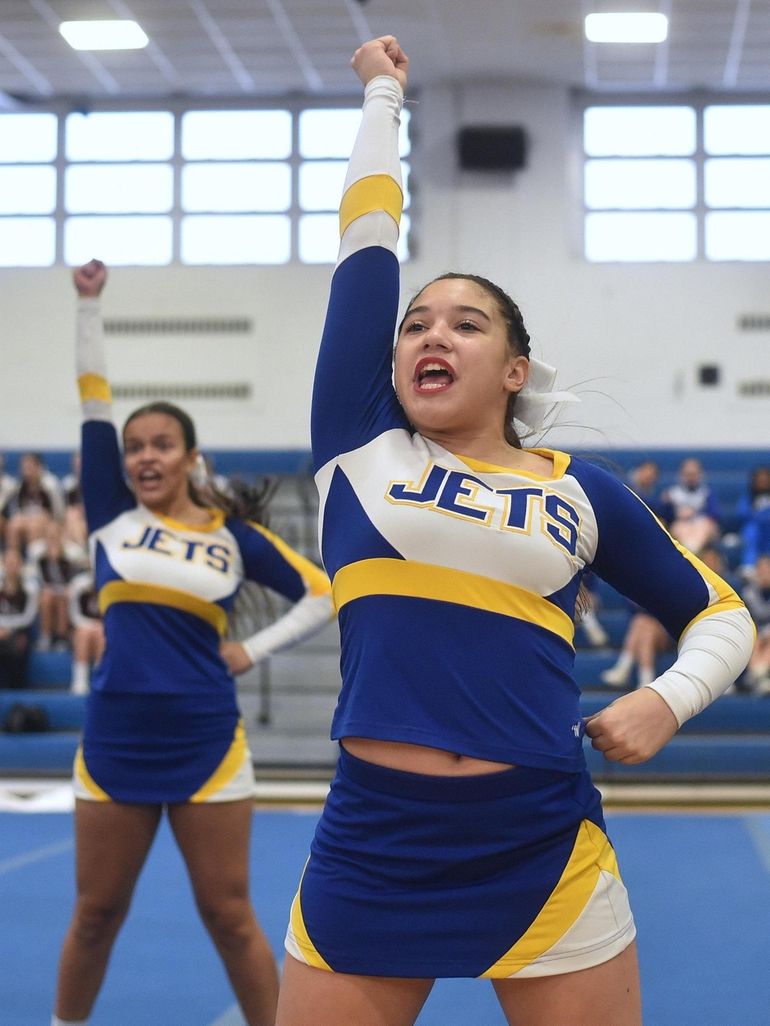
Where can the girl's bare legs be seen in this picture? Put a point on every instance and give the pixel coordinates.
(24, 528)
(87, 649)
(47, 615)
(62, 624)
(316, 997)
(112, 842)
(606, 994)
(214, 841)
(88, 643)
(74, 527)
(618, 676)
(695, 532)
(759, 666)
(651, 638)
(54, 616)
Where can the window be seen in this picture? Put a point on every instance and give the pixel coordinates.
(151, 187)
(28, 148)
(325, 141)
(736, 141)
(676, 182)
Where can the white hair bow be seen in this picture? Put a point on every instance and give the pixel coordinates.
(537, 397)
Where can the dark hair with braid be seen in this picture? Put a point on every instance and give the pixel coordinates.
(518, 336)
(244, 501)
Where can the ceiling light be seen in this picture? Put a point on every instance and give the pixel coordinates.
(103, 35)
(626, 28)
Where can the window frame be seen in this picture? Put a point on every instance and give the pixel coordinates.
(177, 108)
(698, 101)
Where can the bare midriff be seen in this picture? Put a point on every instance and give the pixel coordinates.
(420, 758)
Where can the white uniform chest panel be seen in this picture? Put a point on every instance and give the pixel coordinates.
(430, 506)
(144, 549)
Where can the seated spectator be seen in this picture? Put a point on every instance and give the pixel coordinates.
(53, 486)
(646, 637)
(18, 610)
(75, 529)
(8, 484)
(589, 621)
(755, 541)
(643, 480)
(690, 508)
(756, 595)
(644, 640)
(32, 506)
(55, 565)
(714, 558)
(70, 483)
(757, 496)
(88, 631)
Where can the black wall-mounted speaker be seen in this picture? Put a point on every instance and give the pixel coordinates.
(492, 147)
(708, 374)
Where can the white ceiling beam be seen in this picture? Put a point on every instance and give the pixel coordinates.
(38, 82)
(94, 66)
(221, 44)
(294, 43)
(153, 51)
(590, 63)
(660, 74)
(737, 41)
(360, 23)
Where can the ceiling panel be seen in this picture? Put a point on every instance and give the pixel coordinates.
(269, 47)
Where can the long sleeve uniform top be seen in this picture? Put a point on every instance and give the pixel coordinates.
(166, 588)
(456, 581)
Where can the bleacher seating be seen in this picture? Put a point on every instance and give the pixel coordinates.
(730, 741)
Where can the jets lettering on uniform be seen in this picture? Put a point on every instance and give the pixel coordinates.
(460, 494)
(156, 539)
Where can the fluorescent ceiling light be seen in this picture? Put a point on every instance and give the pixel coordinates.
(626, 28)
(103, 35)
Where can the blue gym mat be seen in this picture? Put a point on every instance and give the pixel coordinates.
(699, 883)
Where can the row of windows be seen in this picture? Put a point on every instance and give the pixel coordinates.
(677, 183)
(663, 183)
(149, 188)
(202, 187)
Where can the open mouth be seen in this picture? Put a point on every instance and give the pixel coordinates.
(149, 478)
(433, 375)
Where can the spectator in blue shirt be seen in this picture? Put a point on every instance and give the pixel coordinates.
(690, 508)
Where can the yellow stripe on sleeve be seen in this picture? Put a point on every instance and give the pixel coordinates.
(154, 594)
(376, 192)
(727, 597)
(316, 580)
(94, 387)
(424, 580)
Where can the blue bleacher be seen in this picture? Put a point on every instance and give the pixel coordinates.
(65, 711)
(747, 715)
(734, 758)
(50, 753)
(613, 620)
(50, 669)
(728, 741)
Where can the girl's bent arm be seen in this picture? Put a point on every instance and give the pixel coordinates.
(270, 562)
